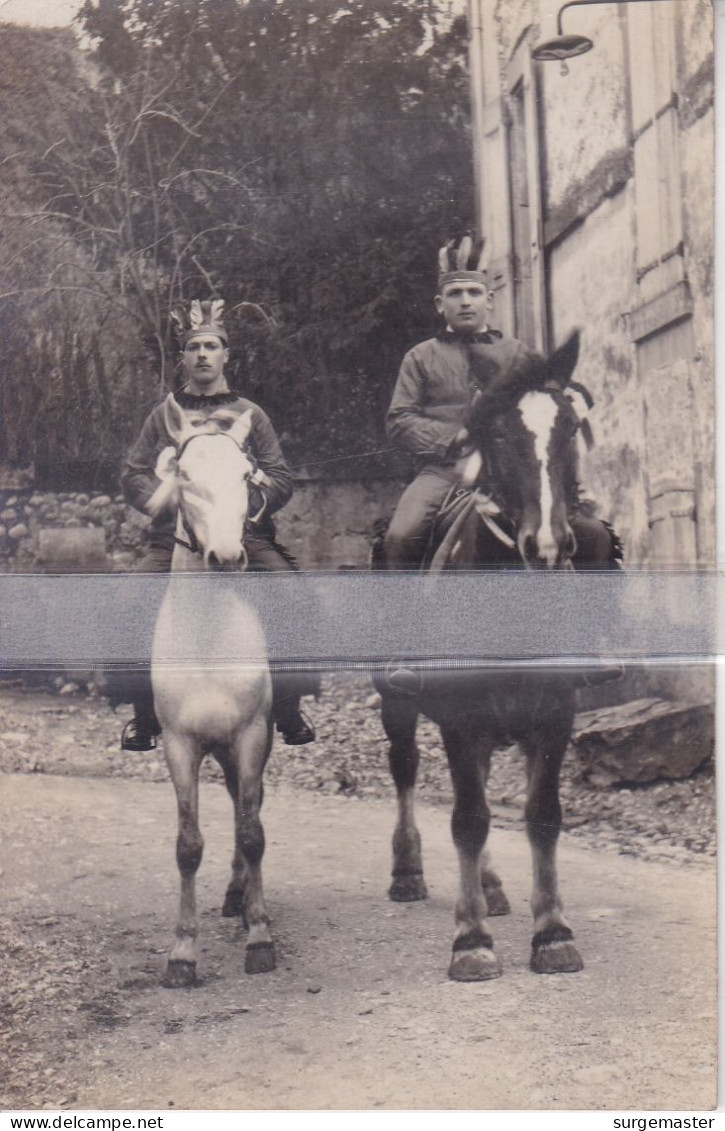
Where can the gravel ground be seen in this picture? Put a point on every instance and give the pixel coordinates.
(63, 994)
(76, 733)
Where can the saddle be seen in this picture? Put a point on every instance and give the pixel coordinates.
(454, 537)
(454, 534)
(454, 542)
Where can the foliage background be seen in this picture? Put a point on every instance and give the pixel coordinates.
(302, 159)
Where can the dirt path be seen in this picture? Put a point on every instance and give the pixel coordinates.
(359, 1013)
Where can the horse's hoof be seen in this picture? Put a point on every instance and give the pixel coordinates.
(179, 974)
(407, 889)
(259, 958)
(497, 902)
(234, 905)
(556, 958)
(553, 952)
(479, 965)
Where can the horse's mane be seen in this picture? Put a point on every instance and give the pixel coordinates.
(505, 373)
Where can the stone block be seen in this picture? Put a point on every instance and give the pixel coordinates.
(643, 741)
(73, 549)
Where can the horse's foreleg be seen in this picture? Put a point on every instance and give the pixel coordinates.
(399, 718)
(183, 766)
(252, 750)
(552, 947)
(496, 900)
(473, 958)
(234, 897)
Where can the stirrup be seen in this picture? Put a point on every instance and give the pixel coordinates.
(296, 730)
(138, 738)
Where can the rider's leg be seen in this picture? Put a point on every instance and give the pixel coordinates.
(597, 548)
(405, 545)
(410, 526)
(134, 685)
(288, 687)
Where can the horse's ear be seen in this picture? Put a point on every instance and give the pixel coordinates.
(175, 420)
(562, 363)
(241, 428)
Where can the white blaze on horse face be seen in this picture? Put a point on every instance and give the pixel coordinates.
(214, 495)
(539, 412)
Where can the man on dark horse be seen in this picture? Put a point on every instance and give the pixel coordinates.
(205, 352)
(430, 402)
(427, 416)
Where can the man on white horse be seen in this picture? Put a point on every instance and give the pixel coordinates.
(205, 353)
(430, 403)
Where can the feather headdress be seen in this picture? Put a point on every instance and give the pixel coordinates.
(200, 318)
(463, 260)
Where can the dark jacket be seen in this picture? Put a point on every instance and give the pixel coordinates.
(139, 480)
(433, 392)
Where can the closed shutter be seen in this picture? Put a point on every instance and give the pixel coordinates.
(508, 192)
(495, 206)
(657, 174)
(525, 196)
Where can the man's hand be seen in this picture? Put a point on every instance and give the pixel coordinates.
(462, 445)
(257, 504)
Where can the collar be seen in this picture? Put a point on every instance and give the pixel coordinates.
(488, 336)
(204, 400)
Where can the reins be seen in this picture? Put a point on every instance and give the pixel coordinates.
(192, 545)
(461, 503)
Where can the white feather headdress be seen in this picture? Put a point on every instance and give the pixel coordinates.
(202, 317)
(463, 259)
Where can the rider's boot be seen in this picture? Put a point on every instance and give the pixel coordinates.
(606, 672)
(295, 728)
(140, 732)
(287, 690)
(403, 678)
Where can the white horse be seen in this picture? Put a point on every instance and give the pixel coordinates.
(212, 688)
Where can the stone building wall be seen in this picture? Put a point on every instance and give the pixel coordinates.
(583, 117)
(622, 145)
(647, 335)
(587, 274)
(698, 174)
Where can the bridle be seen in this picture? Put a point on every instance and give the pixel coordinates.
(191, 543)
(490, 502)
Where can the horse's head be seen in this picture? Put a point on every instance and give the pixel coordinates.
(206, 477)
(524, 423)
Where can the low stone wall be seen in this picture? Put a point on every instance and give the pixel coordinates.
(329, 525)
(325, 526)
(24, 514)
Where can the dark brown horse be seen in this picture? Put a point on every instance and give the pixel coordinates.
(523, 475)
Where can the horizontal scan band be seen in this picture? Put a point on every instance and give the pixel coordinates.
(349, 619)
